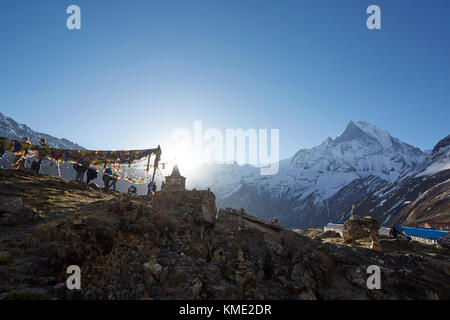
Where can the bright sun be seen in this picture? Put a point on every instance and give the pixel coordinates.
(183, 160)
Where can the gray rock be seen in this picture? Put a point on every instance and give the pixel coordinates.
(10, 204)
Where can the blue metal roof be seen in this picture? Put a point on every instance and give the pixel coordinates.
(422, 232)
(414, 232)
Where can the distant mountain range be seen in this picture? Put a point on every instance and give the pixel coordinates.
(364, 166)
(382, 176)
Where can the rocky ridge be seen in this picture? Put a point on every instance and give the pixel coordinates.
(177, 246)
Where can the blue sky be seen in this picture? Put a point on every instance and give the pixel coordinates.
(139, 69)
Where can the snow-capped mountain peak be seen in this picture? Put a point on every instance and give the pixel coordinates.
(382, 136)
(308, 180)
(361, 150)
(353, 131)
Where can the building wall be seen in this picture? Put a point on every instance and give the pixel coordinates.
(176, 183)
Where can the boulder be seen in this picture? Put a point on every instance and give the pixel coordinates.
(208, 213)
(154, 269)
(359, 228)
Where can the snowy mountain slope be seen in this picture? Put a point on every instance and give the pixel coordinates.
(420, 197)
(411, 201)
(438, 160)
(297, 193)
(337, 208)
(326, 168)
(13, 130)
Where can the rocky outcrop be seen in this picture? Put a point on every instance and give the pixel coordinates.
(176, 246)
(358, 228)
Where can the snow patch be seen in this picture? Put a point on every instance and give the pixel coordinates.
(382, 136)
(435, 168)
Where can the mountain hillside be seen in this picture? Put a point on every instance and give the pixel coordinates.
(420, 197)
(173, 246)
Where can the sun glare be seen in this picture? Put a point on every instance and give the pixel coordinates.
(185, 163)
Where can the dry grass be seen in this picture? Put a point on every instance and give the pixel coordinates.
(45, 194)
